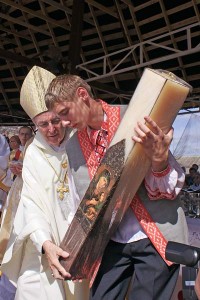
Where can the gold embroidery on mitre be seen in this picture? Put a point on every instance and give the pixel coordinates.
(33, 91)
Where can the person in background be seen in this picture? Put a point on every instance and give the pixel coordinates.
(46, 207)
(5, 134)
(15, 169)
(16, 154)
(25, 133)
(195, 166)
(195, 187)
(11, 202)
(189, 178)
(5, 174)
(14, 142)
(133, 258)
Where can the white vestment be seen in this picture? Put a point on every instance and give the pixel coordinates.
(40, 217)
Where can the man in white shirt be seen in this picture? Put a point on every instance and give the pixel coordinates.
(130, 251)
(25, 134)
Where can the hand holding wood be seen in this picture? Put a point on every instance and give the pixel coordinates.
(154, 142)
(53, 253)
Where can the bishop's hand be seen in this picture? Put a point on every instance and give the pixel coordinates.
(154, 142)
(53, 253)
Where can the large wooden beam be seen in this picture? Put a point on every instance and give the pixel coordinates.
(11, 56)
(76, 35)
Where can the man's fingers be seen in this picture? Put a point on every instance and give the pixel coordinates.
(170, 134)
(136, 139)
(139, 131)
(153, 125)
(144, 131)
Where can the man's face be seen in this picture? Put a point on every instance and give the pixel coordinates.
(50, 126)
(24, 135)
(73, 114)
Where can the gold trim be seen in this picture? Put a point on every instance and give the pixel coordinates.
(63, 186)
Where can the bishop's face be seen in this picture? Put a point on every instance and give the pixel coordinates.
(50, 126)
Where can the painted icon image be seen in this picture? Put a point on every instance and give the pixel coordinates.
(95, 199)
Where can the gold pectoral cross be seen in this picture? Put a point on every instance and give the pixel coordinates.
(61, 190)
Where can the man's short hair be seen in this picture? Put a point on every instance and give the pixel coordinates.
(29, 128)
(192, 169)
(63, 88)
(195, 166)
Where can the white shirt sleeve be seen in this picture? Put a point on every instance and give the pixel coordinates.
(166, 184)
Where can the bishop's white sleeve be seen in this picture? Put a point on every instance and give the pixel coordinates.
(166, 184)
(38, 238)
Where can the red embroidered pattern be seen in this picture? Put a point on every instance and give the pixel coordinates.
(99, 139)
(113, 117)
(162, 173)
(150, 227)
(156, 194)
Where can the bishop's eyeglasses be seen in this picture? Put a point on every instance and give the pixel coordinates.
(46, 124)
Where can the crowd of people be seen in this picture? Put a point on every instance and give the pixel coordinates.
(192, 179)
(12, 180)
(12, 157)
(57, 168)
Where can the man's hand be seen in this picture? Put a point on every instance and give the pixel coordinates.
(53, 253)
(154, 142)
